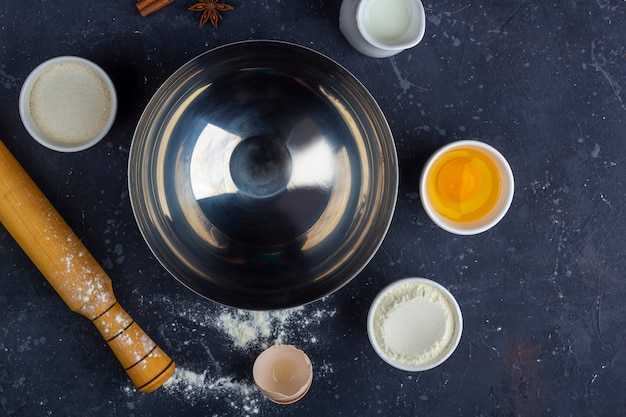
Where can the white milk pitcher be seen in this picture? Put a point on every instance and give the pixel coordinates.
(382, 28)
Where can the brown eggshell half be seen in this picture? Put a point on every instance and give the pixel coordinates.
(283, 373)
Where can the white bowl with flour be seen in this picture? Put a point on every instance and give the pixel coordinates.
(68, 103)
(414, 324)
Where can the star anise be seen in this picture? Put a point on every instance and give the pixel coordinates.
(210, 9)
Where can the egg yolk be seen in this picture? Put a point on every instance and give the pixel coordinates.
(464, 184)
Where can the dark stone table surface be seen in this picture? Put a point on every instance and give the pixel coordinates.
(542, 293)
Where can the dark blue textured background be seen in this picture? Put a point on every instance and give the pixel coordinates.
(542, 293)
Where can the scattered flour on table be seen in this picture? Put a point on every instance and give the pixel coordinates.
(255, 329)
(195, 386)
(248, 332)
(263, 329)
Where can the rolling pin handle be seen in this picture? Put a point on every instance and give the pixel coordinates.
(75, 275)
(146, 364)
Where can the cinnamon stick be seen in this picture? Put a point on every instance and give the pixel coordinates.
(146, 7)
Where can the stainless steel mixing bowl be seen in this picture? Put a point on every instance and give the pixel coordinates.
(263, 175)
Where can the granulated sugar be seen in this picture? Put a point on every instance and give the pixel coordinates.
(70, 103)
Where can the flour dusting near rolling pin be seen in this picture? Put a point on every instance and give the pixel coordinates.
(415, 324)
(75, 275)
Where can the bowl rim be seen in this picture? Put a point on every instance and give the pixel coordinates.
(24, 104)
(392, 186)
(445, 355)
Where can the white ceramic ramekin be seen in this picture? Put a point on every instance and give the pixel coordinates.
(101, 84)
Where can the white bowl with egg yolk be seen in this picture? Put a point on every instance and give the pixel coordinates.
(466, 187)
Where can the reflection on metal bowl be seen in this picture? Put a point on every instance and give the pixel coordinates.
(263, 175)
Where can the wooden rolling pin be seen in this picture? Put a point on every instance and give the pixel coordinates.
(75, 275)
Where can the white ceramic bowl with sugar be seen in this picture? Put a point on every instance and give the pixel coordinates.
(414, 324)
(68, 104)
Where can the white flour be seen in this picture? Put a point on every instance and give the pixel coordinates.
(246, 327)
(254, 330)
(262, 329)
(414, 323)
(195, 386)
(246, 333)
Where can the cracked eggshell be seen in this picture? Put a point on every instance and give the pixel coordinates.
(283, 373)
